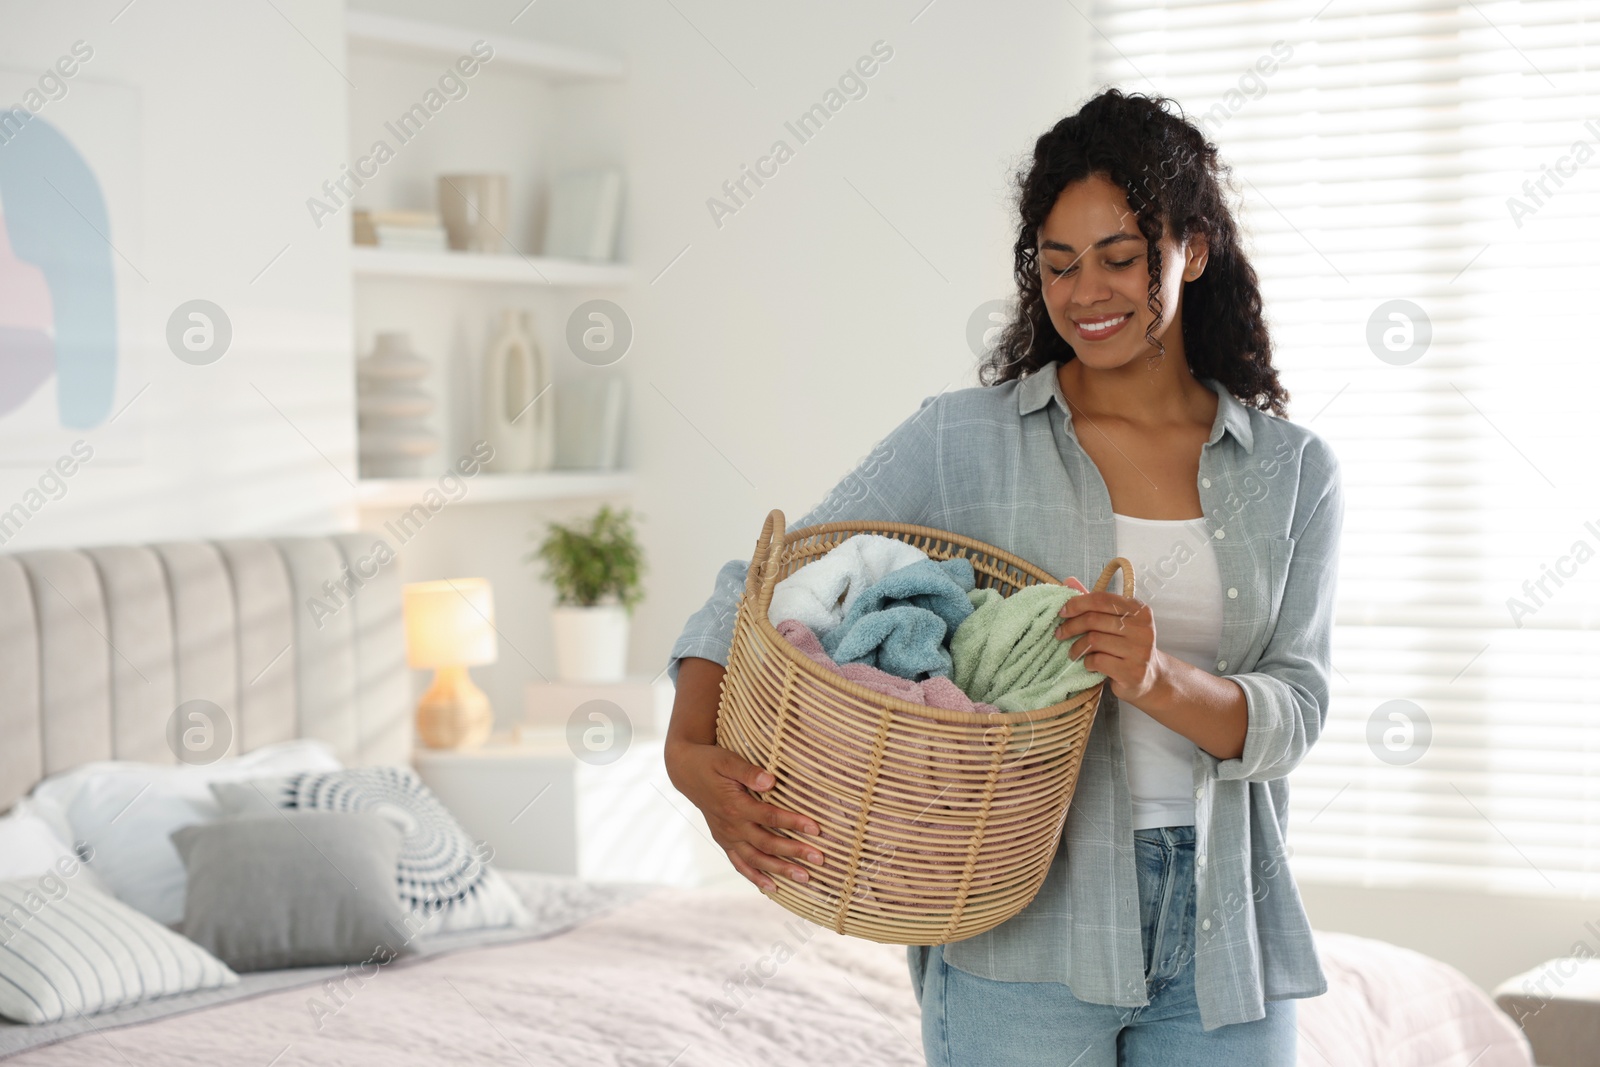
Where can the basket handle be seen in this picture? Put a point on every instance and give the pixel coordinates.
(1119, 564)
(769, 546)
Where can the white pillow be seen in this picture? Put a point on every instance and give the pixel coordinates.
(66, 948)
(29, 848)
(126, 813)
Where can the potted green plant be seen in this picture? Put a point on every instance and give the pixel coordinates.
(595, 568)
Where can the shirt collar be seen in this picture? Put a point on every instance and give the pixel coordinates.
(1039, 388)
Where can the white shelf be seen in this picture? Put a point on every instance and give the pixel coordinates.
(369, 262)
(384, 33)
(487, 488)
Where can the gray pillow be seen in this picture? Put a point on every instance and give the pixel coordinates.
(294, 889)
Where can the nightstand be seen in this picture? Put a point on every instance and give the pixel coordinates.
(1557, 1004)
(541, 808)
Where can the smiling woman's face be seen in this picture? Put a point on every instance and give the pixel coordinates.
(1094, 271)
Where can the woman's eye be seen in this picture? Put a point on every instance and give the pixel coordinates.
(1059, 272)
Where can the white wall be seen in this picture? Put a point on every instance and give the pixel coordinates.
(1487, 937)
(239, 119)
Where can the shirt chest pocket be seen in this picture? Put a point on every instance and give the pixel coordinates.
(1267, 590)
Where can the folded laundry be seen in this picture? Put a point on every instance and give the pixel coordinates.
(935, 692)
(1006, 652)
(819, 593)
(903, 622)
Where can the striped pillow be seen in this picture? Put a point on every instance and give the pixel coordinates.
(67, 949)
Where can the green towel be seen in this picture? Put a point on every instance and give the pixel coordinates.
(1006, 653)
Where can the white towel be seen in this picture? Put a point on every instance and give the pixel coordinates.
(820, 593)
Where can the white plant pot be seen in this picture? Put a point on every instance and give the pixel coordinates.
(591, 643)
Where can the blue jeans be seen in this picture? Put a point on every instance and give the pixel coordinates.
(969, 1020)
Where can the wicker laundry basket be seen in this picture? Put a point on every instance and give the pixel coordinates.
(936, 825)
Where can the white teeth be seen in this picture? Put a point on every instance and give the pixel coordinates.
(1102, 327)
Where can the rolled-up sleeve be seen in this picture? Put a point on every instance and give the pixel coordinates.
(897, 481)
(1286, 694)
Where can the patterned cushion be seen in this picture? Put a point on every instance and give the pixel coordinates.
(67, 949)
(441, 873)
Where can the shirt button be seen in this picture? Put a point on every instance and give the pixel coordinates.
(1200, 861)
(1205, 483)
(1233, 594)
(1222, 664)
(1199, 793)
(1219, 535)
(1205, 924)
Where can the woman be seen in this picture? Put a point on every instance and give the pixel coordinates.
(1131, 408)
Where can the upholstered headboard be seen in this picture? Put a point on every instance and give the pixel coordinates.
(289, 637)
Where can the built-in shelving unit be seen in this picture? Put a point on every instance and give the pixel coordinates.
(489, 488)
(369, 262)
(370, 31)
(385, 278)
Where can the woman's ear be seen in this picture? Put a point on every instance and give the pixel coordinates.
(1195, 252)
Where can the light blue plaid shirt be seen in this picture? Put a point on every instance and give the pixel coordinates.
(1001, 465)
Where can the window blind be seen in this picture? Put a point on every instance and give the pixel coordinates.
(1419, 182)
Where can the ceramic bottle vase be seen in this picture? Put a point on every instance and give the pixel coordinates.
(517, 406)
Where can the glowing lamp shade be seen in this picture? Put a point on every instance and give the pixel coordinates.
(450, 623)
(450, 627)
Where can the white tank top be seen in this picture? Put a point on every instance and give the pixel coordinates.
(1175, 572)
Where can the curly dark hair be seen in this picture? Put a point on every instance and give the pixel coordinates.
(1169, 171)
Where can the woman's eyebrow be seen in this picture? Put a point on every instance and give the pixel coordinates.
(1109, 239)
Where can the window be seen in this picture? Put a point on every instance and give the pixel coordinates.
(1420, 188)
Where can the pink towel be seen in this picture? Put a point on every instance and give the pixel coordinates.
(935, 692)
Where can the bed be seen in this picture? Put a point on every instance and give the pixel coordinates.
(97, 646)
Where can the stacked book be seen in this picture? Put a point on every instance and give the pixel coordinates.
(400, 231)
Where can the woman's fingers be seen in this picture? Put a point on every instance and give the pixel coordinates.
(1073, 583)
(761, 881)
(771, 864)
(777, 845)
(763, 814)
(732, 765)
(1112, 603)
(727, 789)
(744, 820)
(1118, 646)
(1105, 611)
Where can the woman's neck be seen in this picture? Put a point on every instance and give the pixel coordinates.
(1138, 393)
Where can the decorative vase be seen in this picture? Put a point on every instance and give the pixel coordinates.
(591, 643)
(545, 410)
(476, 211)
(511, 401)
(392, 408)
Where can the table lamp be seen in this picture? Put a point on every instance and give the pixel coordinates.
(450, 627)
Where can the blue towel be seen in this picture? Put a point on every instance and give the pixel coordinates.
(900, 624)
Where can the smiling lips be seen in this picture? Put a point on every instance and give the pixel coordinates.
(1095, 329)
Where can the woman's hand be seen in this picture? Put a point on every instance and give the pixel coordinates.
(716, 781)
(1116, 636)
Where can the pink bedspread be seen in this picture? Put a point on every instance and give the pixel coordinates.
(1395, 1007)
(695, 978)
